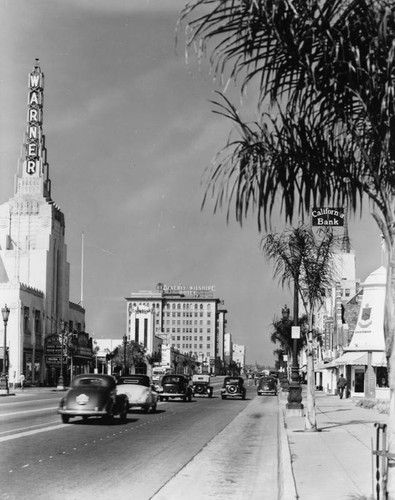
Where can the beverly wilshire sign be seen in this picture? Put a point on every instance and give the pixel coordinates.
(327, 217)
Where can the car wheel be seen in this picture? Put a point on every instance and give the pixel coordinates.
(65, 419)
(123, 416)
(108, 419)
(153, 409)
(190, 398)
(243, 396)
(210, 394)
(146, 409)
(223, 397)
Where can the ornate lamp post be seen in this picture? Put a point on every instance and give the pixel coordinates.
(4, 389)
(295, 390)
(60, 386)
(125, 341)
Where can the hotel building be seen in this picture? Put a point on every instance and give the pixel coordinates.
(190, 319)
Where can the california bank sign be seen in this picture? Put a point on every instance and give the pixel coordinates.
(328, 217)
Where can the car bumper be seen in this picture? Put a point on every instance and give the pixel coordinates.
(172, 395)
(262, 393)
(83, 413)
(232, 394)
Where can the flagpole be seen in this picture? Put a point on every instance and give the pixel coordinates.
(82, 270)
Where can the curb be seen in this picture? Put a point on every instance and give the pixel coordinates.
(286, 480)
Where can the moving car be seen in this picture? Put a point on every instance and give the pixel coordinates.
(138, 390)
(201, 385)
(233, 387)
(175, 386)
(93, 395)
(267, 385)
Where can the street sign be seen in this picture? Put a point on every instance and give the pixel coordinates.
(295, 332)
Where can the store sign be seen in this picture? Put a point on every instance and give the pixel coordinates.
(327, 217)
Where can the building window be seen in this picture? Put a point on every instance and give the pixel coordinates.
(145, 332)
(136, 329)
(37, 322)
(26, 320)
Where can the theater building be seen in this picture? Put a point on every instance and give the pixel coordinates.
(34, 272)
(191, 319)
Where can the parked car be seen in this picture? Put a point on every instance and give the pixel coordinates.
(175, 386)
(201, 385)
(267, 385)
(139, 391)
(233, 387)
(93, 395)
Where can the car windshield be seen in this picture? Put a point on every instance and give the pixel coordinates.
(135, 381)
(201, 378)
(168, 379)
(267, 380)
(232, 380)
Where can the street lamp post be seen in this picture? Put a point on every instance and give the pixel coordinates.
(125, 341)
(294, 404)
(60, 386)
(4, 389)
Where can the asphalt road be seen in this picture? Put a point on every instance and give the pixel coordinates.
(41, 458)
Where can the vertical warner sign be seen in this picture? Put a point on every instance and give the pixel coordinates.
(34, 119)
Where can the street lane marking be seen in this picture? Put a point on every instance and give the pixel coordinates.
(30, 427)
(14, 403)
(8, 414)
(31, 433)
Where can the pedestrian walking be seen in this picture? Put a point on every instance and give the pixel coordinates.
(341, 385)
(22, 380)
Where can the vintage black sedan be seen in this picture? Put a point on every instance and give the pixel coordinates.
(267, 385)
(233, 387)
(93, 395)
(175, 386)
(201, 385)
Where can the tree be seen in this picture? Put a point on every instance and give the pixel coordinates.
(135, 355)
(325, 71)
(302, 259)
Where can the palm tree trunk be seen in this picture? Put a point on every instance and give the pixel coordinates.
(310, 420)
(389, 333)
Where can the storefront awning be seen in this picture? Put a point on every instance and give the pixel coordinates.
(360, 358)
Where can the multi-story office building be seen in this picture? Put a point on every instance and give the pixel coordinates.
(239, 356)
(34, 272)
(190, 319)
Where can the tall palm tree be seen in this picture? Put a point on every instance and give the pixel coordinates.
(325, 71)
(307, 261)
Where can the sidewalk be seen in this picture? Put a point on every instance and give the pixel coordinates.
(336, 462)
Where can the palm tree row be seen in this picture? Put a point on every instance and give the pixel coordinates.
(326, 112)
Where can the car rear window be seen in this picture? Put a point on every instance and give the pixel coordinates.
(135, 381)
(91, 381)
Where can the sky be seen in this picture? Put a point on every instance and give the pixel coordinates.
(130, 134)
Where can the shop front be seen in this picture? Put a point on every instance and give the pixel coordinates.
(77, 357)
